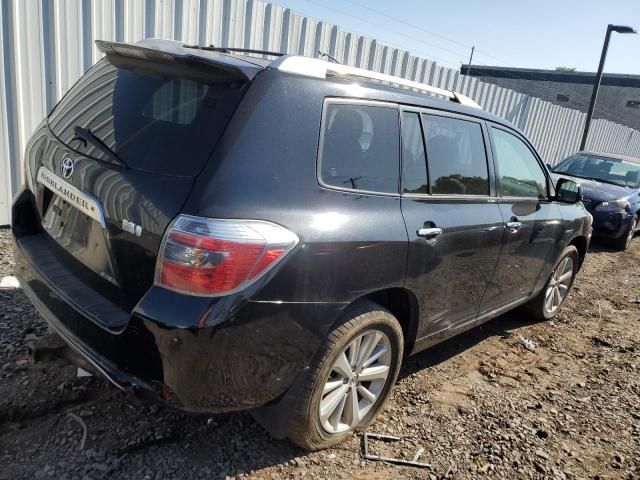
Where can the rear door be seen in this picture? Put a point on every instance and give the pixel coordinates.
(117, 159)
(452, 216)
(534, 222)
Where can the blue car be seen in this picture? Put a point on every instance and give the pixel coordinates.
(611, 192)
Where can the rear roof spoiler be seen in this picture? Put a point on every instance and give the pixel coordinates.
(314, 67)
(175, 53)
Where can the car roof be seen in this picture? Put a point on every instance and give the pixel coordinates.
(405, 96)
(380, 86)
(384, 87)
(614, 156)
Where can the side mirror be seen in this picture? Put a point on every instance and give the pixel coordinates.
(568, 191)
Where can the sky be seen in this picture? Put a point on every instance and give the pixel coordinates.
(513, 33)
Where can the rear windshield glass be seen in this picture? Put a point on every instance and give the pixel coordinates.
(153, 121)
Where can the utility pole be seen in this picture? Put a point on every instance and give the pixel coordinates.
(470, 60)
(598, 79)
(468, 67)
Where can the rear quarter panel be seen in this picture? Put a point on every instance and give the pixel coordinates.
(265, 168)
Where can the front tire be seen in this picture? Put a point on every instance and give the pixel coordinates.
(350, 377)
(624, 241)
(547, 303)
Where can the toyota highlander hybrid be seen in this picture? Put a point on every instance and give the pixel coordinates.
(219, 231)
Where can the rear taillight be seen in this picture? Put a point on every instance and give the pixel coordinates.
(204, 256)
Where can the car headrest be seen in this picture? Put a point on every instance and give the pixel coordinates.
(347, 124)
(633, 176)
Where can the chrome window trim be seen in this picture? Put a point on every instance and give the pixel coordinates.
(525, 199)
(444, 197)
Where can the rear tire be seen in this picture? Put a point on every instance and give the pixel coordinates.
(624, 241)
(366, 341)
(548, 302)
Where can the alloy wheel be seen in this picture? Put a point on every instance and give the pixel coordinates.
(559, 285)
(356, 381)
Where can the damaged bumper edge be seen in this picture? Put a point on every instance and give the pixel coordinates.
(103, 367)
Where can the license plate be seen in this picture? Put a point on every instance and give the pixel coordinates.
(82, 201)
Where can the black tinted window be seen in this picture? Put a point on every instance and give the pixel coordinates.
(520, 173)
(414, 167)
(360, 147)
(152, 120)
(177, 101)
(456, 156)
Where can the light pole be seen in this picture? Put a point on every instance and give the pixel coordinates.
(596, 84)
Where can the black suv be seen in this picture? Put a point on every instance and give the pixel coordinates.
(220, 231)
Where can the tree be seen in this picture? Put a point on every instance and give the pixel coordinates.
(565, 69)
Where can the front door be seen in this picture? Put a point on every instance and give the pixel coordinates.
(534, 225)
(452, 217)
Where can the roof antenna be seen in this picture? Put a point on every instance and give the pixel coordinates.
(323, 54)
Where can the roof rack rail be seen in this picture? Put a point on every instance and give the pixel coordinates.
(213, 48)
(314, 67)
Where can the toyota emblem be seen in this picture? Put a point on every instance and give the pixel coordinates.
(66, 168)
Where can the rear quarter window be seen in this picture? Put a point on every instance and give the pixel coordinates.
(359, 147)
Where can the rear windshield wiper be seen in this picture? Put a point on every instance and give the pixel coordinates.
(93, 139)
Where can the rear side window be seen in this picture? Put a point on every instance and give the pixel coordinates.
(359, 147)
(456, 156)
(519, 172)
(155, 120)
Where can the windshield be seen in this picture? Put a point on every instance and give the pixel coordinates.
(150, 117)
(609, 170)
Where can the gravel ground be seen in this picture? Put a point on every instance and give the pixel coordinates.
(480, 405)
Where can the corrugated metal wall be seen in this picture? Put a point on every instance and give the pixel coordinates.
(48, 44)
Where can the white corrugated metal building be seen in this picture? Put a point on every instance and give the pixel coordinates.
(48, 44)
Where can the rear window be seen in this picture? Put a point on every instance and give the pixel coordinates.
(360, 147)
(154, 121)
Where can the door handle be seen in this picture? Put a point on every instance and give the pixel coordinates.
(514, 226)
(429, 232)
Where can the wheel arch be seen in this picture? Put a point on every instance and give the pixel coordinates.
(403, 304)
(580, 243)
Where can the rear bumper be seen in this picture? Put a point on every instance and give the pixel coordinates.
(105, 368)
(252, 355)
